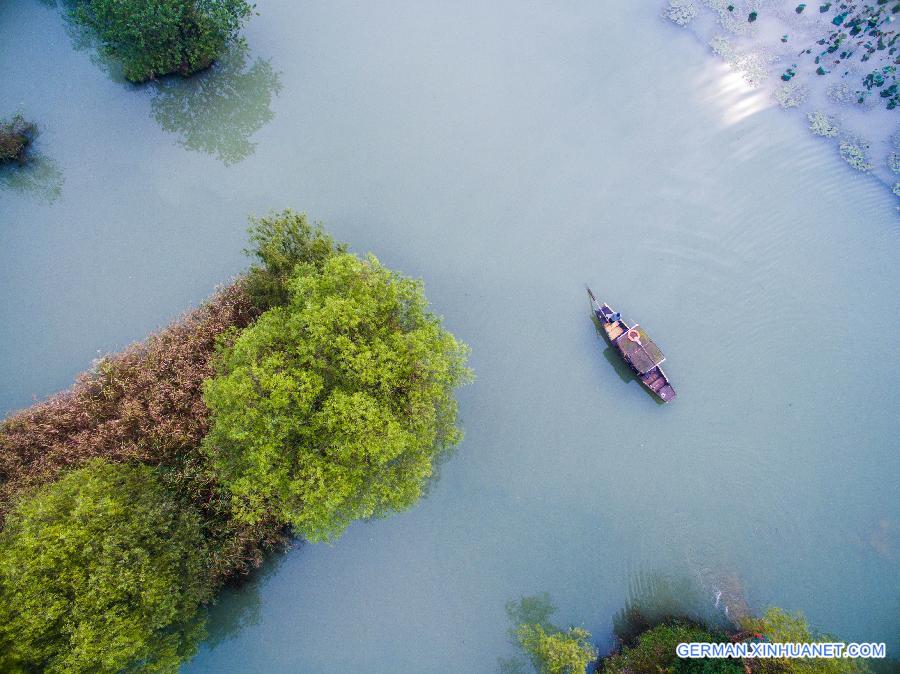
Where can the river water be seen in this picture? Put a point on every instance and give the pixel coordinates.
(507, 153)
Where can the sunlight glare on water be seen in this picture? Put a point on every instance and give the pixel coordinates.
(730, 93)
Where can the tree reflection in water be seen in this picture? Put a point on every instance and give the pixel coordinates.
(217, 111)
(39, 176)
(238, 605)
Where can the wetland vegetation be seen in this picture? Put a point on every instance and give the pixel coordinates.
(648, 645)
(315, 390)
(162, 37)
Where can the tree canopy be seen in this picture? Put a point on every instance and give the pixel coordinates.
(100, 572)
(654, 652)
(335, 406)
(555, 651)
(780, 626)
(549, 649)
(157, 37)
(278, 243)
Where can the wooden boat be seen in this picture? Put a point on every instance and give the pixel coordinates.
(638, 350)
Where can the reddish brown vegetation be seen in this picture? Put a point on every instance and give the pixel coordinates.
(142, 404)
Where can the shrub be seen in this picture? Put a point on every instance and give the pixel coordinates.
(791, 94)
(779, 626)
(654, 653)
(335, 406)
(854, 153)
(822, 125)
(100, 571)
(143, 404)
(158, 37)
(557, 652)
(15, 137)
(279, 243)
(549, 649)
(681, 12)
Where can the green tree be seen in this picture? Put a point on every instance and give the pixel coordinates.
(780, 626)
(100, 572)
(158, 37)
(335, 406)
(557, 652)
(279, 243)
(654, 653)
(549, 649)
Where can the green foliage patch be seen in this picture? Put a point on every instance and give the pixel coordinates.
(279, 242)
(654, 653)
(159, 37)
(780, 626)
(100, 571)
(556, 651)
(549, 649)
(335, 406)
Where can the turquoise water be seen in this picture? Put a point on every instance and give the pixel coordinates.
(507, 153)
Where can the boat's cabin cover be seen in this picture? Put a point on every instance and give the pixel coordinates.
(643, 355)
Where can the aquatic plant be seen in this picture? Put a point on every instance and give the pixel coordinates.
(160, 37)
(822, 125)
(278, 243)
(780, 626)
(896, 189)
(681, 12)
(791, 94)
(735, 17)
(846, 55)
(336, 406)
(557, 651)
(854, 153)
(863, 33)
(98, 571)
(752, 66)
(842, 93)
(16, 135)
(894, 162)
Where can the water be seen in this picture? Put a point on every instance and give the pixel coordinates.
(508, 153)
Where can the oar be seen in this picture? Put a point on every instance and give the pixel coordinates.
(593, 298)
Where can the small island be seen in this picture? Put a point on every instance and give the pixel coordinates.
(315, 390)
(16, 135)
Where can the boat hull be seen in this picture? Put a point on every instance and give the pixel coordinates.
(616, 330)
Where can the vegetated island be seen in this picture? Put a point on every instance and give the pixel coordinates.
(315, 390)
(16, 135)
(649, 647)
(153, 38)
